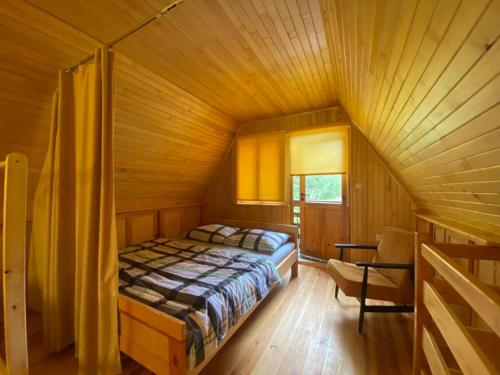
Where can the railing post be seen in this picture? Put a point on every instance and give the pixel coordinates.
(14, 254)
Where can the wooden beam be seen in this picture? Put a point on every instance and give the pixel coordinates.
(434, 357)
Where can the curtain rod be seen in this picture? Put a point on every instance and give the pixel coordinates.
(144, 23)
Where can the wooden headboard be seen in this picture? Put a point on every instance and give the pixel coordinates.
(138, 226)
(171, 222)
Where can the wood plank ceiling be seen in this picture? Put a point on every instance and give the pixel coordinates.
(250, 59)
(421, 80)
(418, 77)
(168, 143)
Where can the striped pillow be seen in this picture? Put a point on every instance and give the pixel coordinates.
(214, 233)
(257, 239)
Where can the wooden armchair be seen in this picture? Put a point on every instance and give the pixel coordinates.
(389, 277)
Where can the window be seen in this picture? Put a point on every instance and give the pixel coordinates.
(324, 188)
(260, 169)
(296, 188)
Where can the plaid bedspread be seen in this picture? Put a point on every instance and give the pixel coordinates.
(209, 288)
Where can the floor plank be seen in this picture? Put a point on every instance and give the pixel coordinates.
(300, 329)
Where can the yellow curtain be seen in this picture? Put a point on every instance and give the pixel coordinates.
(260, 168)
(319, 151)
(73, 266)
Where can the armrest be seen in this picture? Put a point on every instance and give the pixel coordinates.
(397, 266)
(356, 246)
(342, 246)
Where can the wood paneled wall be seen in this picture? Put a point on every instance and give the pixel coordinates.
(421, 80)
(138, 226)
(33, 46)
(376, 198)
(219, 199)
(168, 143)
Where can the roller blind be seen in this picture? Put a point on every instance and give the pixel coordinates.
(319, 151)
(259, 168)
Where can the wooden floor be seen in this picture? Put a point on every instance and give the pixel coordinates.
(300, 329)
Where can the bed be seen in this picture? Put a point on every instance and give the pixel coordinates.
(162, 342)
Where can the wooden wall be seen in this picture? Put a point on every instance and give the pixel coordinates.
(219, 199)
(421, 81)
(419, 78)
(33, 46)
(168, 143)
(376, 198)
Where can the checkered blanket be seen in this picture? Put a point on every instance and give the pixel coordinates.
(209, 288)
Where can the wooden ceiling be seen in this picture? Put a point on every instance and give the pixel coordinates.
(168, 143)
(421, 80)
(418, 77)
(250, 59)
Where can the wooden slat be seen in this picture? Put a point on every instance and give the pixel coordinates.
(14, 264)
(481, 298)
(469, 251)
(435, 360)
(462, 345)
(481, 237)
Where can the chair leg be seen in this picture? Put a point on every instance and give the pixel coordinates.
(336, 292)
(364, 286)
(361, 317)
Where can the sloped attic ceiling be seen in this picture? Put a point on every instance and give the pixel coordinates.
(421, 80)
(168, 143)
(418, 77)
(247, 58)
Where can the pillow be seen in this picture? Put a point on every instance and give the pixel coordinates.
(257, 239)
(214, 233)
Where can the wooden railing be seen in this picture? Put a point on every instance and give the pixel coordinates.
(14, 253)
(436, 321)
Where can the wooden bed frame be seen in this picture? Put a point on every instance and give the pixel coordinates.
(468, 345)
(157, 340)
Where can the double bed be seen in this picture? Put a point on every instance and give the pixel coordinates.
(181, 300)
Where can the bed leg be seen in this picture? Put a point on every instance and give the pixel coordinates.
(294, 270)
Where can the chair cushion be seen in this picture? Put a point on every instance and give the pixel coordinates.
(349, 278)
(396, 246)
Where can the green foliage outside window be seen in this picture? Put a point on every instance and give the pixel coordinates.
(324, 188)
(296, 187)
